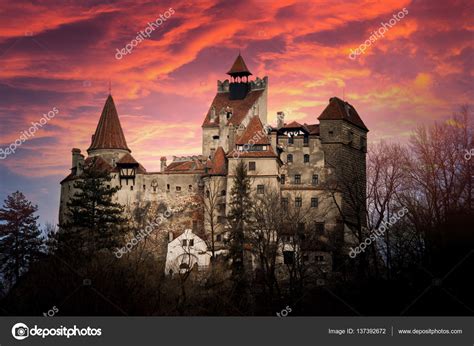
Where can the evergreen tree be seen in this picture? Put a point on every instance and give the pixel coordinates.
(240, 213)
(20, 239)
(94, 221)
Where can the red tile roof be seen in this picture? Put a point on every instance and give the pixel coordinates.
(127, 159)
(109, 134)
(341, 110)
(292, 125)
(184, 166)
(240, 108)
(254, 133)
(239, 68)
(313, 129)
(219, 163)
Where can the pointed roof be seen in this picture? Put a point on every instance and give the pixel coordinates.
(219, 163)
(109, 134)
(341, 110)
(127, 159)
(254, 133)
(239, 68)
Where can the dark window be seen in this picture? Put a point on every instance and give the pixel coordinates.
(184, 242)
(260, 189)
(331, 133)
(288, 257)
(306, 158)
(289, 158)
(298, 202)
(297, 179)
(178, 188)
(191, 242)
(252, 166)
(144, 187)
(282, 179)
(315, 179)
(305, 140)
(291, 140)
(190, 187)
(131, 187)
(215, 137)
(167, 186)
(223, 193)
(314, 202)
(284, 202)
(351, 136)
(154, 189)
(108, 186)
(218, 237)
(319, 228)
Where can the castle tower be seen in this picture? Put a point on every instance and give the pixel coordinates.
(239, 79)
(108, 140)
(344, 141)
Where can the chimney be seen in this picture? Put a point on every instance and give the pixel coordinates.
(280, 119)
(77, 160)
(162, 163)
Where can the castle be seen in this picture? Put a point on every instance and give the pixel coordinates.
(291, 158)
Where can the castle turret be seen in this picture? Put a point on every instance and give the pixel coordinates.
(239, 84)
(108, 140)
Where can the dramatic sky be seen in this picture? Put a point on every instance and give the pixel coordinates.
(62, 54)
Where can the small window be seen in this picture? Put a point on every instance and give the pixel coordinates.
(190, 188)
(178, 188)
(306, 158)
(154, 189)
(260, 189)
(291, 140)
(223, 193)
(131, 187)
(108, 186)
(289, 158)
(319, 228)
(315, 179)
(288, 257)
(168, 186)
(305, 140)
(331, 133)
(218, 237)
(284, 202)
(184, 242)
(215, 137)
(191, 242)
(314, 202)
(252, 166)
(297, 179)
(282, 179)
(298, 202)
(144, 187)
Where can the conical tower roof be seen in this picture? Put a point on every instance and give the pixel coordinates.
(109, 134)
(239, 68)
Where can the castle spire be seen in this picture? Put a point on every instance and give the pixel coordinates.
(239, 68)
(109, 134)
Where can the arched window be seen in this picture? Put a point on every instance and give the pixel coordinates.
(289, 158)
(306, 158)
